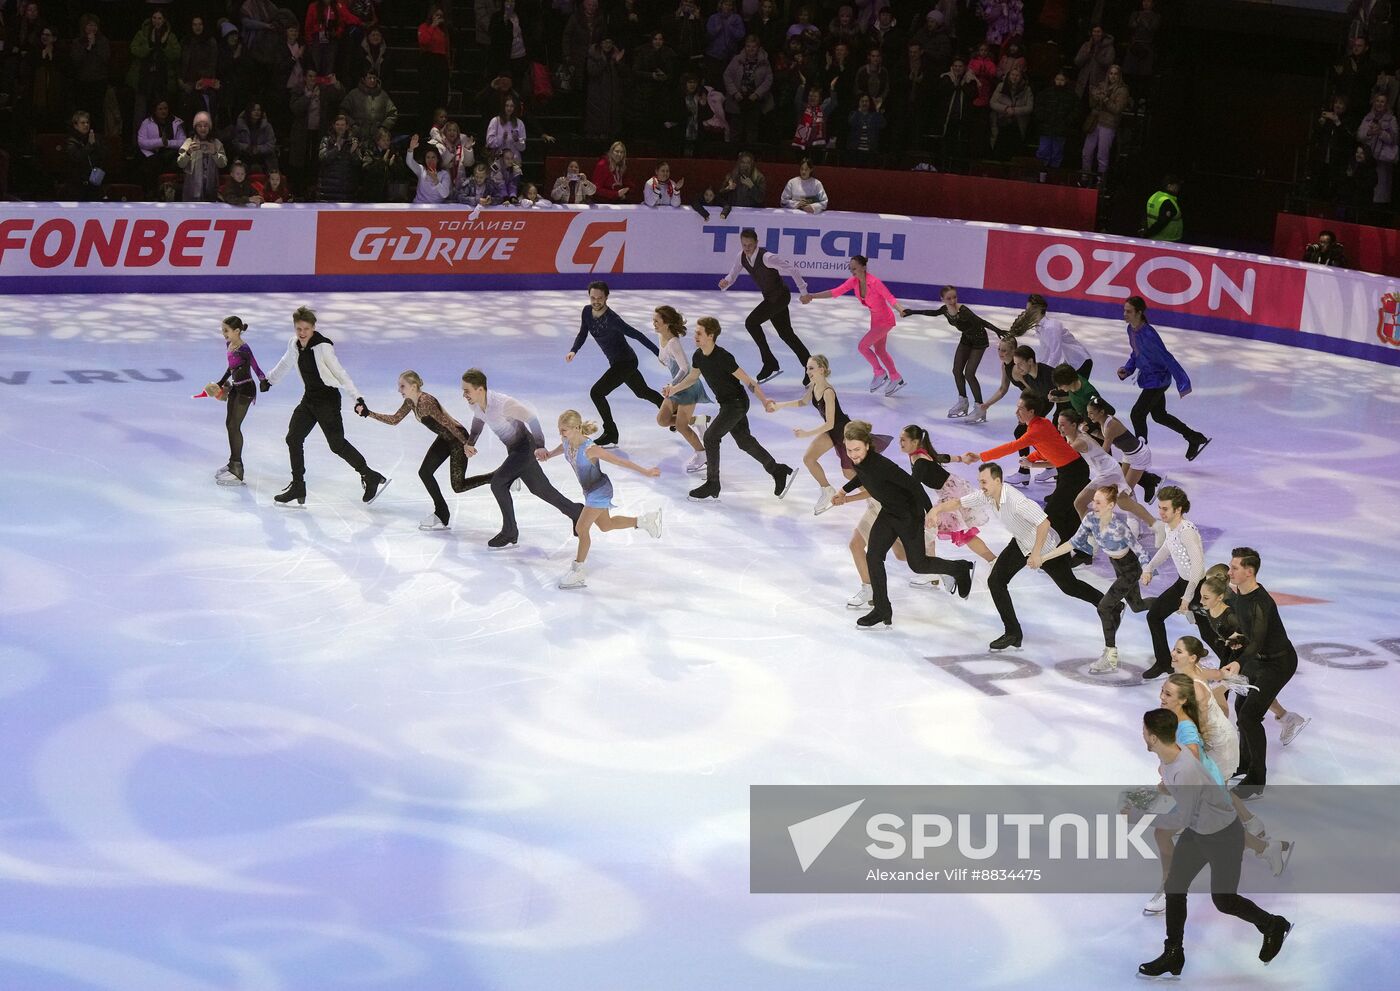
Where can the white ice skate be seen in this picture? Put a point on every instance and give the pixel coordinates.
(1107, 662)
(431, 522)
(696, 463)
(226, 477)
(864, 596)
(824, 500)
(574, 577)
(880, 380)
(958, 409)
(651, 522)
(1157, 904)
(1292, 725)
(1277, 854)
(894, 387)
(977, 415)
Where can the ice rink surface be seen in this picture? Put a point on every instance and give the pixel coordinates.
(256, 748)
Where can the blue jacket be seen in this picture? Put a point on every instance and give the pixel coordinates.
(1154, 364)
(609, 331)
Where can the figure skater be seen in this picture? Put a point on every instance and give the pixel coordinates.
(1182, 541)
(611, 331)
(678, 410)
(1103, 470)
(830, 436)
(972, 342)
(1133, 451)
(1057, 345)
(872, 294)
(726, 381)
(583, 456)
(903, 505)
(449, 444)
(1156, 369)
(323, 378)
(767, 271)
(518, 429)
(239, 395)
(961, 526)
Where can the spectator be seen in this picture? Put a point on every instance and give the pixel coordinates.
(1357, 187)
(506, 132)
(840, 85)
(313, 110)
(288, 76)
(804, 191)
(1056, 113)
(573, 186)
(1012, 57)
(339, 163)
(201, 157)
(654, 73)
(275, 189)
(935, 42)
(724, 35)
(456, 154)
(844, 29)
(1329, 147)
(607, 82)
(155, 63)
(610, 175)
(873, 80)
(791, 72)
(530, 198)
(1374, 20)
(1107, 101)
(434, 182)
(811, 125)
(1094, 59)
(952, 110)
(491, 100)
(1326, 250)
(1378, 133)
(1140, 59)
(769, 29)
(505, 174)
(983, 68)
(258, 20)
(1163, 221)
(254, 142)
(370, 108)
(661, 189)
(1354, 76)
(324, 27)
(514, 42)
(369, 55)
(159, 139)
(1385, 85)
(478, 190)
(687, 116)
(745, 185)
(42, 83)
(887, 36)
(434, 57)
(239, 76)
(807, 33)
(83, 176)
(748, 83)
(706, 201)
(866, 124)
(92, 64)
(1004, 19)
(583, 34)
(625, 25)
(1012, 107)
(386, 178)
(687, 34)
(910, 93)
(237, 190)
(199, 70)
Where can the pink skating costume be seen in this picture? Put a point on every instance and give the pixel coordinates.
(882, 307)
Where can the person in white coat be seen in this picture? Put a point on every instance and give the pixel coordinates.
(661, 189)
(434, 184)
(804, 191)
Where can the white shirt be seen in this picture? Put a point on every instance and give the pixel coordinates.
(332, 372)
(509, 419)
(657, 193)
(1017, 513)
(782, 265)
(1188, 554)
(798, 188)
(1058, 346)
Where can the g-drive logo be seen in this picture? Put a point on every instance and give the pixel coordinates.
(1067, 835)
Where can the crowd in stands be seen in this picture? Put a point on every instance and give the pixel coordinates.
(254, 101)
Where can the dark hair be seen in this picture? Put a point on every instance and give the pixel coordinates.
(304, 314)
(947, 289)
(1249, 558)
(864, 262)
(917, 433)
(1327, 233)
(1036, 299)
(1160, 724)
(1034, 401)
(991, 468)
(1099, 402)
(599, 284)
(748, 232)
(475, 377)
(1174, 495)
(710, 324)
(1064, 374)
(1072, 416)
(1139, 304)
(675, 323)
(1025, 352)
(237, 323)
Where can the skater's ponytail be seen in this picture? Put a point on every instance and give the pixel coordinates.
(672, 320)
(1219, 586)
(1186, 689)
(1102, 405)
(920, 437)
(412, 376)
(236, 323)
(570, 419)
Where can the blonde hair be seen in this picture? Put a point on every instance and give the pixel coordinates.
(822, 363)
(858, 430)
(1110, 492)
(412, 376)
(1218, 571)
(618, 146)
(1219, 585)
(570, 419)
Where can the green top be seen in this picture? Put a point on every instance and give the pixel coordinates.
(1079, 398)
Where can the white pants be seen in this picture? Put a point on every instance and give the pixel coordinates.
(1100, 139)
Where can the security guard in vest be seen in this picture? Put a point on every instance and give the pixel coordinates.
(1164, 212)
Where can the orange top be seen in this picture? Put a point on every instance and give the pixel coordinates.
(1041, 435)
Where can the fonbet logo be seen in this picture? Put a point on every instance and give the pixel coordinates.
(422, 244)
(1102, 837)
(126, 243)
(592, 246)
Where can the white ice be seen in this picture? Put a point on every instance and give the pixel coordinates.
(257, 748)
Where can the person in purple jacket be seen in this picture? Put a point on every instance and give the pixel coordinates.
(240, 396)
(611, 332)
(1156, 370)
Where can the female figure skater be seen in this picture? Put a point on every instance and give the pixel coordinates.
(1108, 529)
(583, 456)
(450, 445)
(830, 435)
(239, 396)
(926, 465)
(882, 306)
(1103, 470)
(1133, 452)
(973, 331)
(677, 411)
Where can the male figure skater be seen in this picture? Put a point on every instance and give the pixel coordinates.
(611, 331)
(767, 271)
(518, 428)
(1156, 369)
(322, 378)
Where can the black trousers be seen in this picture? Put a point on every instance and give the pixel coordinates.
(775, 311)
(1153, 403)
(1157, 612)
(314, 412)
(966, 358)
(1268, 677)
(623, 373)
(1070, 480)
(1127, 584)
(733, 418)
(520, 463)
(1223, 851)
(883, 533)
(449, 450)
(1009, 564)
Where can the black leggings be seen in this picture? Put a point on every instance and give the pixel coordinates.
(733, 418)
(521, 463)
(238, 406)
(965, 361)
(1268, 677)
(1153, 403)
(325, 413)
(776, 312)
(1127, 584)
(1223, 851)
(910, 532)
(623, 373)
(447, 449)
(1010, 562)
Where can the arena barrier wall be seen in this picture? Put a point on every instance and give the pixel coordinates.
(1370, 249)
(114, 248)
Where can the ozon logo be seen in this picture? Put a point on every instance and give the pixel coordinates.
(1164, 280)
(592, 246)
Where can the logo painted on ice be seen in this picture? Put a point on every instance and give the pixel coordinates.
(1386, 317)
(593, 246)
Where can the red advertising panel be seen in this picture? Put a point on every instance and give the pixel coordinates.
(1197, 282)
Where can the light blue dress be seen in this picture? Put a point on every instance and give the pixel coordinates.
(675, 361)
(597, 487)
(1186, 733)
